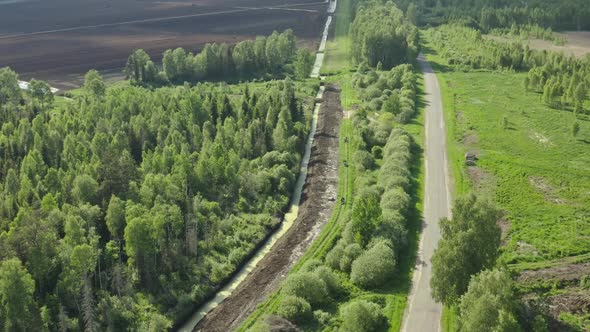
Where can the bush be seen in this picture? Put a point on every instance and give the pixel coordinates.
(381, 132)
(375, 104)
(351, 252)
(377, 152)
(393, 228)
(395, 199)
(294, 309)
(307, 286)
(372, 92)
(332, 281)
(311, 265)
(362, 316)
(334, 256)
(322, 317)
(363, 160)
(374, 267)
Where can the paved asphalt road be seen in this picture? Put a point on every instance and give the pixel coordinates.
(423, 313)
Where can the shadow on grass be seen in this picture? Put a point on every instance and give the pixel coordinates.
(437, 67)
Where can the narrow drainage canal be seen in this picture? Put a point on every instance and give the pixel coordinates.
(290, 217)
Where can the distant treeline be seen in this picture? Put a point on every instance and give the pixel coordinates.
(490, 14)
(262, 57)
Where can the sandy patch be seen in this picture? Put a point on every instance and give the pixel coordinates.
(548, 191)
(541, 139)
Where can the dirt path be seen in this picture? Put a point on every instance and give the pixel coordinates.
(423, 313)
(317, 203)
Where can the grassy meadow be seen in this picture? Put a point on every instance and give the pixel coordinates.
(529, 163)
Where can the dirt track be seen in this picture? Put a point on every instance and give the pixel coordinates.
(317, 203)
(41, 39)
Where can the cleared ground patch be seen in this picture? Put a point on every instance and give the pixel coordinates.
(577, 43)
(43, 40)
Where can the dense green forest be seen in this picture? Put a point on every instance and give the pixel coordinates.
(125, 207)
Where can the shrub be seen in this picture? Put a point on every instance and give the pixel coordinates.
(332, 281)
(362, 316)
(363, 160)
(322, 317)
(395, 199)
(307, 286)
(351, 252)
(375, 104)
(374, 267)
(392, 104)
(377, 152)
(393, 227)
(334, 256)
(381, 134)
(294, 309)
(311, 265)
(372, 92)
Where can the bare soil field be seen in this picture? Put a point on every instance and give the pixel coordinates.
(578, 43)
(316, 207)
(60, 40)
(565, 272)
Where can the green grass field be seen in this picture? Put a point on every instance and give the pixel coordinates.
(529, 163)
(534, 168)
(338, 48)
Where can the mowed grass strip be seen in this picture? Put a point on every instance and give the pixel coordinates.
(338, 48)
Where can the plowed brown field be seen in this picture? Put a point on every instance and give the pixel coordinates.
(60, 40)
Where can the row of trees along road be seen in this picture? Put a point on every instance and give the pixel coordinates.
(123, 208)
(381, 33)
(272, 56)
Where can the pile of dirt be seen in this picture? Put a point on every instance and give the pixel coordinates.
(566, 272)
(317, 204)
(577, 302)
